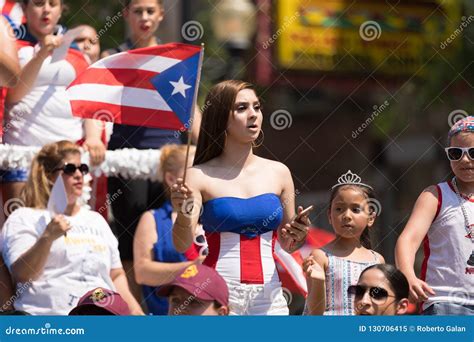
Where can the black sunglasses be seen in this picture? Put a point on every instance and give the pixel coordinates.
(70, 169)
(375, 292)
(456, 153)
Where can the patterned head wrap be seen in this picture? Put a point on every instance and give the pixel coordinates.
(464, 125)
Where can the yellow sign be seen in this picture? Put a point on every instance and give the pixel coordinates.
(360, 36)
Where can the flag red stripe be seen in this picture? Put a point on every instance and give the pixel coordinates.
(214, 245)
(174, 50)
(251, 270)
(133, 116)
(133, 78)
(8, 6)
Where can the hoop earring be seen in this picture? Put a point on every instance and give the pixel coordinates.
(255, 144)
(225, 138)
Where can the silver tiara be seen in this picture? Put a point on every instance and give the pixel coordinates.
(350, 178)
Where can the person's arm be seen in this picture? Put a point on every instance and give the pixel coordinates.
(30, 265)
(410, 240)
(314, 267)
(148, 271)
(196, 125)
(29, 72)
(119, 279)
(9, 66)
(93, 142)
(6, 288)
(187, 201)
(380, 258)
(292, 233)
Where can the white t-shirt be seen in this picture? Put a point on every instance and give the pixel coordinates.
(44, 114)
(77, 263)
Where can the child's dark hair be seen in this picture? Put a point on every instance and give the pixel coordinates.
(396, 279)
(128, 2)
(65, 7)
(370, 195)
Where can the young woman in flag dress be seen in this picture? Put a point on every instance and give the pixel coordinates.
(247, 202)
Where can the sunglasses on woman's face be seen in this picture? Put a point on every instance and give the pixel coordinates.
(376, 293)
(456, 153)
(70, 169)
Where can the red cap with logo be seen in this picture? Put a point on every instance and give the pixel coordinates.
(101, 301)
(203, 282)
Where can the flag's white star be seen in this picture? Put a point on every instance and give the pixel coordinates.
(180, 87)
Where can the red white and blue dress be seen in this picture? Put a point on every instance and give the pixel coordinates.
(241, 234)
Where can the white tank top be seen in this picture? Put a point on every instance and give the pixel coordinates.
(447, 250)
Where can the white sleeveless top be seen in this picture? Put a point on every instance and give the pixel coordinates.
(447, 250)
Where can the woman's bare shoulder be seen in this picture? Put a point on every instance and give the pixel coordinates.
(274, 165)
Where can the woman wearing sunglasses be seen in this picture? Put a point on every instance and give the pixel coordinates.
(55, 259)
(156, 261)
(444, 216)
(381, 290)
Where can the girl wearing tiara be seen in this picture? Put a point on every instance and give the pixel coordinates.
(331, 269)
(443, 218)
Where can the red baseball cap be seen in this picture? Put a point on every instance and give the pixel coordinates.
(101, 301)
(203, 282)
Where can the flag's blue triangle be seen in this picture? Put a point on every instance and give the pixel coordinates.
(178, 80)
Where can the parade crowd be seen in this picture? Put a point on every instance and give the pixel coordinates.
(203, 244)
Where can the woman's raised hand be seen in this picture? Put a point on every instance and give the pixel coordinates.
(58, 227)
(182, 198)
(298, 227)
(49, 43)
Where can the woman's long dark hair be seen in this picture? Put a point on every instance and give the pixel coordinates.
(215, 117)
(370, 195)
(396, 279)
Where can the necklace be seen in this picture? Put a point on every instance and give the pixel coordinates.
(467, 226)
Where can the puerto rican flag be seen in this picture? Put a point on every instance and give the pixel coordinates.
(153, 87)
(12, 10)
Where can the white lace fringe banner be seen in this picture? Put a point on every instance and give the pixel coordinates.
(128, 162)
